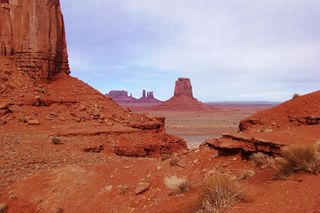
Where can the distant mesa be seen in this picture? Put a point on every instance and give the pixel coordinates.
(122, 97)
(183, 99)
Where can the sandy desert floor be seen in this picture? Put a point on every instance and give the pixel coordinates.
(196, 127)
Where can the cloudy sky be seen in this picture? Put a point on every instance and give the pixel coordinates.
(231, 49)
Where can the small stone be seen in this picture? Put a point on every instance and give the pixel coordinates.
(268, 130)
(4, 106)
(33, 122)
(56, 141)
(165, 156)
(123, 189)
(60, 210)
(234, 159)
(182, 163)
(82, 108)
(3, 208)
(173, 162)
(142, 187)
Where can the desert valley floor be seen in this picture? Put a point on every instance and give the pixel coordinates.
(195, 127)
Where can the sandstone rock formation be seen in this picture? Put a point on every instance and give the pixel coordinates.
(150, 95)
(122, 98)
(183, 87)
(183, 99)
(296, 121)
(34, 110)
(32, 33)
(300, 111)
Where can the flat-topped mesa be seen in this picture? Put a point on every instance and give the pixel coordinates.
(32, 33)
(183, 87)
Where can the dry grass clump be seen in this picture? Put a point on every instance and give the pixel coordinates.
(221, 192)
(296, 95)
(299, 158)
(318, 145)
(262, 160)
(177, 184)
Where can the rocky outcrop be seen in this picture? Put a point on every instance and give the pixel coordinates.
(32, 33)
(183, 87)
(230, 143)
(122, 98)
(300, 111)
(183, 99)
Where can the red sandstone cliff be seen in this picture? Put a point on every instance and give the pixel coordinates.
(33, 50)
(32, 33)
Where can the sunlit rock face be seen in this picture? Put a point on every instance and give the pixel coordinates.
(32, 33)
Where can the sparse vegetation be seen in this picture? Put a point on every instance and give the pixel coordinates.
(56, 140)
(262, 160)
(221, 192)
(296, 95)
(318, 145)
(177, 184)
(299, 158)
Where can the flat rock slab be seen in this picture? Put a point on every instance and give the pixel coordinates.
(142, 187)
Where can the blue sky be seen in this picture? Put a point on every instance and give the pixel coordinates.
(233, 50)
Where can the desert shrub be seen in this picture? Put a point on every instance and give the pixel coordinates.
(221, 192)
(299, 158)
(262, 160)
(177, 184)
(318, 145)
(296, 95)
(56, 140)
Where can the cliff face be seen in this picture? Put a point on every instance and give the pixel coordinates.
(183, 87)
(32, 33)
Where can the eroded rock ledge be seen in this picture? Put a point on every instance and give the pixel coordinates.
(230, 143)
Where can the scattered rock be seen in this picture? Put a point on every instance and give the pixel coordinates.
(33, 122)
(165, 156)
(56, 140)
(60, 210)
(173, 162)
(142, 187)
(182, 163)
(96, 149)
(4, 106)
(268, 130)
(123, 189)
(3, 208)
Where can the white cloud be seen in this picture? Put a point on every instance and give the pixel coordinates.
(245, 48)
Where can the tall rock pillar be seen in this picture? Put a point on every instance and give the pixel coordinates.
(32, 33)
